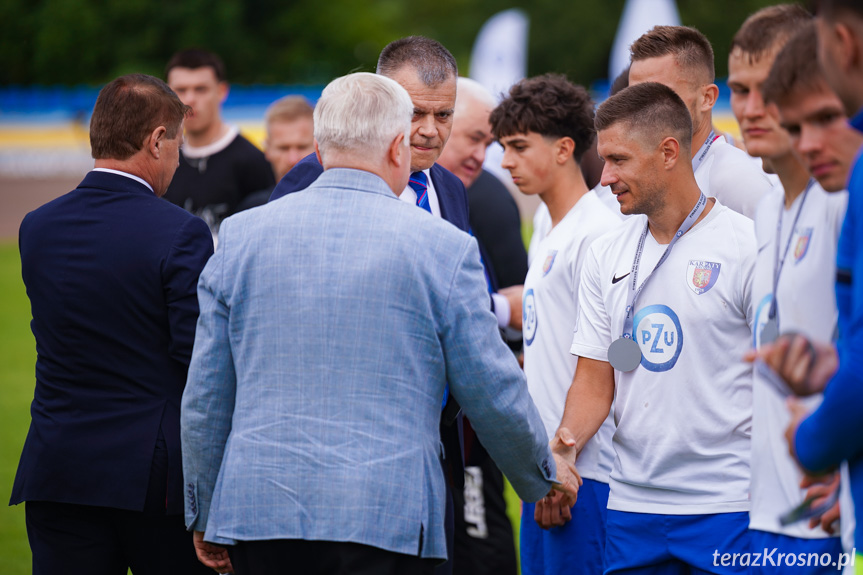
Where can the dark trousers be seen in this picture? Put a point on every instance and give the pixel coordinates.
(81, 539)
(484, 542)
(446, 568)
(288, 556)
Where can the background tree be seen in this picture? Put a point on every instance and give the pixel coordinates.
(269, 42)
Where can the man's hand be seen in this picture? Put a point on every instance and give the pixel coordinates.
(804, 365)
(211, 555)
(550, 511)
(513, 295)
(553, 510)
(798, 414)
(563, 444)
(822, 488)
(564, 451)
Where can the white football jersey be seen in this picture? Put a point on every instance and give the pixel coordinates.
(806, 303)
(541, 227)
(683, 415)
(729, 175)
(550, 305)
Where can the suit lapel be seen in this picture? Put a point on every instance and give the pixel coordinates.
(444, 194)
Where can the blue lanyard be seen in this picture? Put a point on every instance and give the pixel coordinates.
(634, 290)
(702, 152)
(780, 263)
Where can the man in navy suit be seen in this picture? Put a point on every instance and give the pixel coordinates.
(111, 271)
(428, 72)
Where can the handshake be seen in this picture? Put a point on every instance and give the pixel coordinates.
(554, 509)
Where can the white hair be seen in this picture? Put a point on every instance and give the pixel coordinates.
(360, 114)
(468, 89)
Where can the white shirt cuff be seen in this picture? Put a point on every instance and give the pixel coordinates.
(501, 309)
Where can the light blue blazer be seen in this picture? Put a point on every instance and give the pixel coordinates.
(330, 321)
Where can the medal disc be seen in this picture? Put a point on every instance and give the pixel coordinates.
(770, 331)
(624, 354)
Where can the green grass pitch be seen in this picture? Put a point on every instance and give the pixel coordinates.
(17, 361)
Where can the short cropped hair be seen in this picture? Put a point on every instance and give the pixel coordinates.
(194, 58)
(548, 105)
(831, 8)
(128, 110)
(361, 114)
(434, 63)
(768, 30)
(795, 70)
(653, 110)
(691, 49)
(288, 109)
(619, 83)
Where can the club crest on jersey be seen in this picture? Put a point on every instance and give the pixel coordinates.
(657, 331)
(702, 275)
(528, 317)
(549, 261)
(804, 235)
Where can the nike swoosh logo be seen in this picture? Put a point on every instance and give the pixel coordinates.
(616, 279)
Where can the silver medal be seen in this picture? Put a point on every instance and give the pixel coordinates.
(624, 354)
(770, 331)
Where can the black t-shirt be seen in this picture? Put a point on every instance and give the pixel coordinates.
(214, 186)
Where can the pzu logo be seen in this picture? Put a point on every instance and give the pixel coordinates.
(528, 317)
(659, 335)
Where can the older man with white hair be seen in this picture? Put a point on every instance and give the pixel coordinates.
(493, 214)
(330, 324)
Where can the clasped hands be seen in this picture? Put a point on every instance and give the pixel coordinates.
(212, 555)
(554, 509)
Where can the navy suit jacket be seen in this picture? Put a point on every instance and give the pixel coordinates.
(451, 194)
(111, 272)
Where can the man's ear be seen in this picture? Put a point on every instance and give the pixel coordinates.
(565, 149)
(394, 153)
(849, 47)
(670, 149)
(318, 154)
(709, 95)
(224, 89)
(156, 140)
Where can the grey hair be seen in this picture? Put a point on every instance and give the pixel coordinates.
(433, 63)
(361, 114)
(468, 89)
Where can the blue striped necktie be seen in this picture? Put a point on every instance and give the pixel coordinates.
(419, 184)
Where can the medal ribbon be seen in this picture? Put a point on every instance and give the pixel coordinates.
(705, 147)
(634, 291)
(781, 263)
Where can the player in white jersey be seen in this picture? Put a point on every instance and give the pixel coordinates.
(827, 145)
(677, 282)
(682, 58)
(545, 125)
(797, 228)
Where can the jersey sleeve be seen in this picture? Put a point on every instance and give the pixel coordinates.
(592, 334)
(741, 188)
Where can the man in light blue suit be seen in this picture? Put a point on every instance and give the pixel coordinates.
(330, 322)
